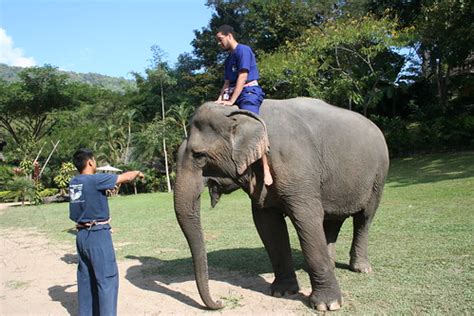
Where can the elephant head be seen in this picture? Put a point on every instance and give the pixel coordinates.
(222, 143)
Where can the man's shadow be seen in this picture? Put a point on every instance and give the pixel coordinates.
(240, 267)
(59, 293)
(67, 299)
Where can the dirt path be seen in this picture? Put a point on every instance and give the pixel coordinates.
(38, 277)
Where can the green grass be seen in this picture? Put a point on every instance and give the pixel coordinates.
(421, 241)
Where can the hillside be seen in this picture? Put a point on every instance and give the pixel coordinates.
(10, 73)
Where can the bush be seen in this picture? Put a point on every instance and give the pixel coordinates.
(22, 189)
(48, 192)
(7, 196)
(6, 174)
(426, 136)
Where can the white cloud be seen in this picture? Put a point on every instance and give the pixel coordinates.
(13, 56)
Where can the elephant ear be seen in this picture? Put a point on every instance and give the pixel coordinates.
(249, 139)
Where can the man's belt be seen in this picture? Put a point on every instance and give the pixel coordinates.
(89, 225)
(251, 83)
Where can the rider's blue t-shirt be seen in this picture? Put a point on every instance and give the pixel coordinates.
(241, 58)
(88, 199)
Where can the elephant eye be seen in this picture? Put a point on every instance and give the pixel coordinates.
(199, 155)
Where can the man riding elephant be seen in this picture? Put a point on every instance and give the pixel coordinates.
(240, 81)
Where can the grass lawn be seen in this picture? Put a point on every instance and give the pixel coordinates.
(421, 241)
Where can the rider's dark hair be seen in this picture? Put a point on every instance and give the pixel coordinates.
(226, 30)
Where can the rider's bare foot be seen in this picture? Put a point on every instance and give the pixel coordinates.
(267, 178)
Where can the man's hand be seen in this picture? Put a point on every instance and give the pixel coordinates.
(130, 176)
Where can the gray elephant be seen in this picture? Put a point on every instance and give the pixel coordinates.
(327, 164)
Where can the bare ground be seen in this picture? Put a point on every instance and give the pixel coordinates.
(38, 277)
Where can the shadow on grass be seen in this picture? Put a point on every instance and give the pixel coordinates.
(239, 267)
(430, 168)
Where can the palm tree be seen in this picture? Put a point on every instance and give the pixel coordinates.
(180, 115)
(22, 188)
(161, 73)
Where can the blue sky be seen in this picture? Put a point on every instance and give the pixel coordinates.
(110, 37)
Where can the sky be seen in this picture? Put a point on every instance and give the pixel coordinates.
(109, 37)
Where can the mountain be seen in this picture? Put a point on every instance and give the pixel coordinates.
(10, 74)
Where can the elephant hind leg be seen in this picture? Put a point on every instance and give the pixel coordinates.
(331, 230)
(359, 261)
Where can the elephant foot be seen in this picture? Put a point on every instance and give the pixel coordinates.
(324, 301)
(361, 267)
(281, 286)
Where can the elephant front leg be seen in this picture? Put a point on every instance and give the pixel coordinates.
(272, 229)
(308, 222)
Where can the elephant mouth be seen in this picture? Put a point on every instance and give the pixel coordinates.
(219, 186)
(251, 182)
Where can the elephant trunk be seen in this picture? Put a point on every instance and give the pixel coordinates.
(187, 204)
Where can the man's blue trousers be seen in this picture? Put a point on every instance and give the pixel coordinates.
(97, 273)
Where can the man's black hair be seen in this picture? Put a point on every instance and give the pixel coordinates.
(80, 158)
(226, 30)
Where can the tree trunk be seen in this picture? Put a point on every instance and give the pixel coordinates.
(129, 138)
(168, 182)
(442, 84)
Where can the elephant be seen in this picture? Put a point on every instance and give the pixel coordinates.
(327, 164)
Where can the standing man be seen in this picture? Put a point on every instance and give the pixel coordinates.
(97, 273)
(240, 80)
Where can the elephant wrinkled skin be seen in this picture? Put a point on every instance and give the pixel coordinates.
(327, 164)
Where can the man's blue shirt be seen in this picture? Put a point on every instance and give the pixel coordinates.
(241, 58)
(88, 199)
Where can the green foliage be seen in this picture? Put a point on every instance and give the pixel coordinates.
(48, 192)
(404, 64)
(7, 196)
(150, 142)
(405, 137)
(27, 166)
(445, 30)
(10, 74)
(37, 198)
(65, 175)
(22, 189)
(6, 174)
(27, 107)
(346, 62)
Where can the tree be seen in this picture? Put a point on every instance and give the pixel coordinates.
(161, 74)
(116, 130)
(22, 189)
(444, 30)
(27, 107)
(180, 115)
(348, 61)
(264, 25)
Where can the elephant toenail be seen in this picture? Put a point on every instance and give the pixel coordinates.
(334, 306)
(321, 307)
